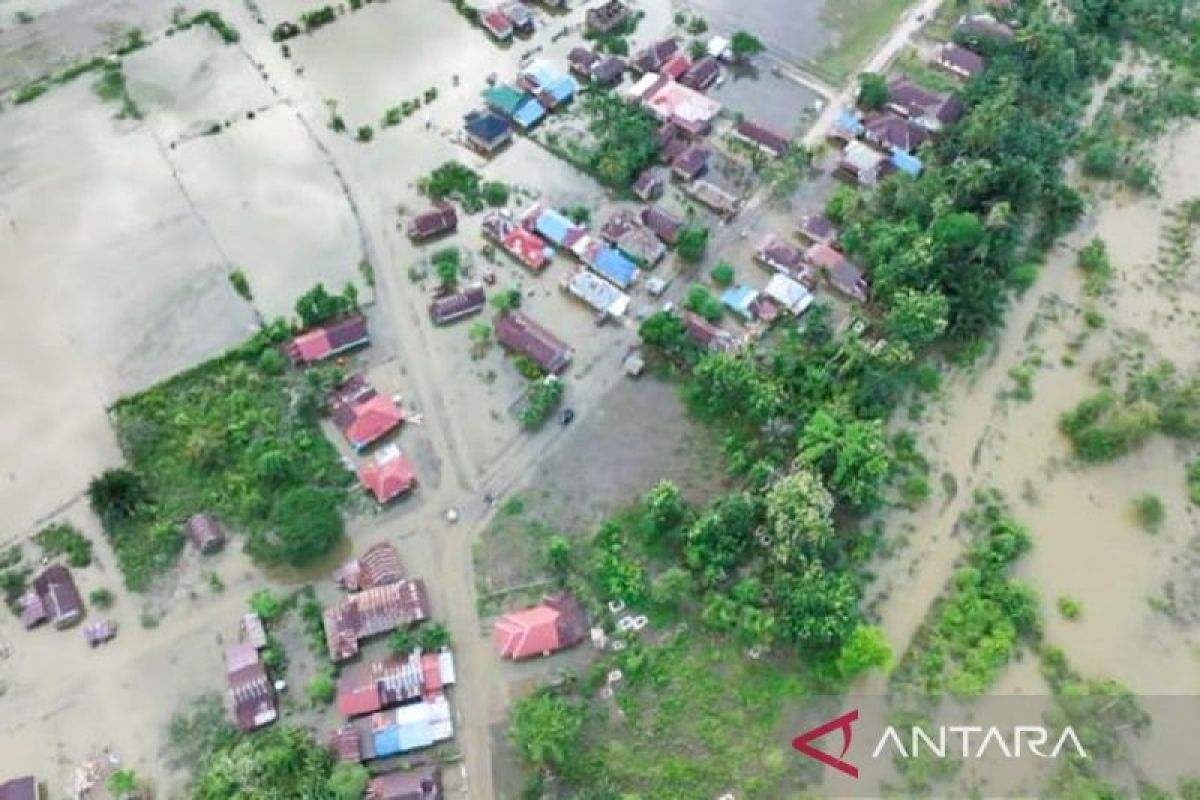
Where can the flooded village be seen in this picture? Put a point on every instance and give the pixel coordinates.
(338, 349)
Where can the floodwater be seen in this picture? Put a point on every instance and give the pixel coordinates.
(1086, 544)
(791, 28)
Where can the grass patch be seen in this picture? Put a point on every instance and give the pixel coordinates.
(236, 437)
(857, 27)
(921, 72)
(64, 539)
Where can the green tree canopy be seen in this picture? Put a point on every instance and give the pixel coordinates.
(546, 730)
(799, 518)
(873, 91)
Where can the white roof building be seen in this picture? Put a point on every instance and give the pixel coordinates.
(790, 294)
(597, 293)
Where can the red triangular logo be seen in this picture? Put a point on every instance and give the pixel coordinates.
(803, 743)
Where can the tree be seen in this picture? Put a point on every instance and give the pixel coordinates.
(719, 540)
(507, 300)
(494, 193)
(701, 300)
(722, 274)
(306, 525)
(318, 304)
(546, 730)
(693, 243)
(480, 334)
(917, 317)
(447, 264)
(276, 763)
(818, 608)
(558, 554)
(321, 689)
(117, 494)
(349, 781)
(873, 91)
(799, 518)
(433, 636)
(850, 454)
(665, 509)
(402, 641)
(671, 587)
(664, 330)
(866, 649)
(125, 784)
(745, 46)
(266, 604)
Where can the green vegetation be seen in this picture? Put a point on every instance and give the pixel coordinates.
(857, 27)
(705, 303)
(365, 133)
(541, 401)
(64, 539)
(693, 243)
(275, 763)
(241, 284)
(454, 181)
(318, 305)
(102, 599)
(349, 781)
(229, 438)
(110, 87)
(30, 92)
(14, 575)
(1070, 608)
(1193, 482)
(507, 300)
(447, 265)
(1150, 512)
(722, 274)
(322, 688)
(494, 193)
(872, 90)
(745, 46)
(1097, 269)
(615, 41)
(213, 20)
(976, 627)
(624, 140)
(317, 18)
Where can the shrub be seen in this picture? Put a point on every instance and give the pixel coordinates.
(318, 305)
(693, 244)
(30, 92)
(529, 369)
(494, 193)
(433, 636)
(102, 599)
(506, 300)
(321, 689)
(240, 284)
(1150, 512)
(267, 605)
(543, 398)
(365, 133)
(722, 274)
(1103, 427)
(1093, 260)
(317, 18)
(447, 264)
(1070, 608)
(704, 303)
(63, 538)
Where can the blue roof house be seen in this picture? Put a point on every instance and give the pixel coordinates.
(850, 124)
(529, 113)
(906, 163)
(556, 228)
(614, 266)
(739, 300)
(547, 80)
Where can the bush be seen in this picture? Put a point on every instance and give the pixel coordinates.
(529, 369)
(494, 193)
(1093, 260)
(30, 92)
(267, 605)
(693, 244)
(433, 636)
(1150, 512)
(311, 20)
(321, 689)
(318, 305)
(543, 398)
(447, 264)
(63, 538)
(240, 284)
(1070, 608)
(1103, 427)
(452, 180)
(704, 303)
(507, 300)
(365, 133)
(102, 599)
(722, 274)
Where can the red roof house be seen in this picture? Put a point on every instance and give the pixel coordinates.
(455, 306)
(52, 597)
(374, 611)
(441, 219)
(516, 240)
(395, 680)
(328, 340)
(389, 476)
(253, 697)
(368, 420)
(519, 334)
(497, 24)
(557, 623)
(346, 744)
(378, 566)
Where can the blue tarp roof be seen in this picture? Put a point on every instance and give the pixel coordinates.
(906, 163)
(559, 85)
(554, 226)
(529, 113)
(487, 126)
(739, 298)
(850, 122)
(613, 264)
(387, 742)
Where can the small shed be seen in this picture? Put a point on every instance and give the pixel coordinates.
(205, 533)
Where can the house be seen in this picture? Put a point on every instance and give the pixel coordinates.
(363, 415)
(893, 132)
(516, 105)
(861, 164)
(496, 23)
(24, 788)
(251, 693)
(551, 87)
(487, 132)
(380, 609)
(240, 656)
(519, 242)
(706, 335)
(653, 57)
(554, 226)
(611, 264)
(849, 280)
(52, 597)
(818, 229)
(597, 294)
(716, 198)
(389, 476)
(702, 74)
(519, 334)
(676, 66)
(421, 783)
(848, 126)
(368, 688)
(378, 566)
(929, 109)
(649, 185)
(441, 219)
(984, 26)
(557, 623)
(205, 533)
(581, 60)
(640, 244)
(691, 163)
(769, 141)
(452, 307)
(823, 257)
(789, 294)
(673, 102)
(740, 300)
(609, 72)
(405, 729)
(346, 745)
(328, 340)
(606, 17)
(664, 225)
(619, 224)
(905, 162)
(959, 61)
(519, 15)
(784, 257)
(252, 632)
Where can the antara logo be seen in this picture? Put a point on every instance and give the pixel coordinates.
(975, 742)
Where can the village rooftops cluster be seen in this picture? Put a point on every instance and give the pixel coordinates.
(369, 688)
(380, 609)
